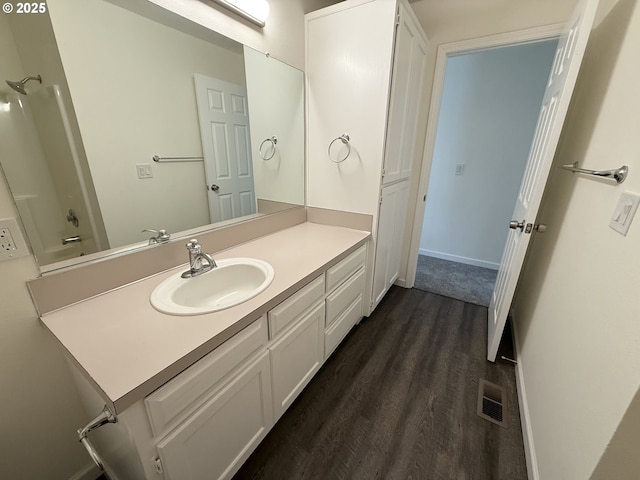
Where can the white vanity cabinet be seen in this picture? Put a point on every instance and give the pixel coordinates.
(221, 434)
(296, 329)
(209, 419)
(206, 421)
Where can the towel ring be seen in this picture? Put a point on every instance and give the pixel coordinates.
(273, 141)
(344, 138)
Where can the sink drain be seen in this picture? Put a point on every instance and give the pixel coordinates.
(491, 404)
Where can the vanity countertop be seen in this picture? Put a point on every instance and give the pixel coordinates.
(128, 349)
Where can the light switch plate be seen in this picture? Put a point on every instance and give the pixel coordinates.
(459, 168)
(144, 170)
(624, 212)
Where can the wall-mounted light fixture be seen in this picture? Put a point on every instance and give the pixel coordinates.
(255, 11)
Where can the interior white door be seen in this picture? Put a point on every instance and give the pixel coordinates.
(224, 127)
(555, 103)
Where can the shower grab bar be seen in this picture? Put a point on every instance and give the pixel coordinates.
(158, 159)
(102, 419)
(618, 174)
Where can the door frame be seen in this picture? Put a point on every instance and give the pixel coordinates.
(531, 35)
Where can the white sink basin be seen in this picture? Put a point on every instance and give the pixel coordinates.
(233, 281)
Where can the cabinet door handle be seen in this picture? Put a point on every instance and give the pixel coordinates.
(74, 239)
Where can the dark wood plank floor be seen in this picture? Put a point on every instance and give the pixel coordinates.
(398, 400)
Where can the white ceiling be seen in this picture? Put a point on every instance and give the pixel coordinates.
(438, 14)
(433, 14)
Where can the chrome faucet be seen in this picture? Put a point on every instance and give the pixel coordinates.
(160, 237)
(196, 257)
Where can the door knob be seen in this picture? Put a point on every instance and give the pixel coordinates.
(514, 224)
(215, 187)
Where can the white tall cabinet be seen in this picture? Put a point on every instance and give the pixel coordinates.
(365, 65)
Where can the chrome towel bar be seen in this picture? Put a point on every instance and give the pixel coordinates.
(158, 159)
(618, 174)
(102, 419)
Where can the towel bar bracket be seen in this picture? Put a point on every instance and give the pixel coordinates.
(619, 174)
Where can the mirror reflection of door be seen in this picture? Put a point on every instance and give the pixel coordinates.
(226, 144)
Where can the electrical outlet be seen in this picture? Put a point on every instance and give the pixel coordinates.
(12, 244)
(459, 168)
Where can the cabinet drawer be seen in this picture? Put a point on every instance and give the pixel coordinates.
(341, 271)
(282, 315)
(339, 329)
(296, 357)
(178, 398)
(344, 296)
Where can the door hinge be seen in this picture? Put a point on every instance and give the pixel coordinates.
(398, 16)
(157, 465)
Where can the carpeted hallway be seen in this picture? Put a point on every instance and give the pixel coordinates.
(455, 280)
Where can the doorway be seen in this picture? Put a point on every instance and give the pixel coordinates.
(488, 109)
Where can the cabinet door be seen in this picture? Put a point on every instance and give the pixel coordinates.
(409, 60)
(389, 242)
(348, 67)
(219, 437)
(296, 357)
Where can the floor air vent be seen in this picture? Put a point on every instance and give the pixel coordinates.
(491, 404)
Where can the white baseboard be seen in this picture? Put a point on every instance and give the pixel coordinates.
(525, 419)
(456, 258)
(89, 472)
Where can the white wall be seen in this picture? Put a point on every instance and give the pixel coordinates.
(460, 19)
(489, 109)
(282, 36)
(276, 108)
(621, 460)
(577, 309)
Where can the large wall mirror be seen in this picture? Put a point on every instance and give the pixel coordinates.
(114, 120)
